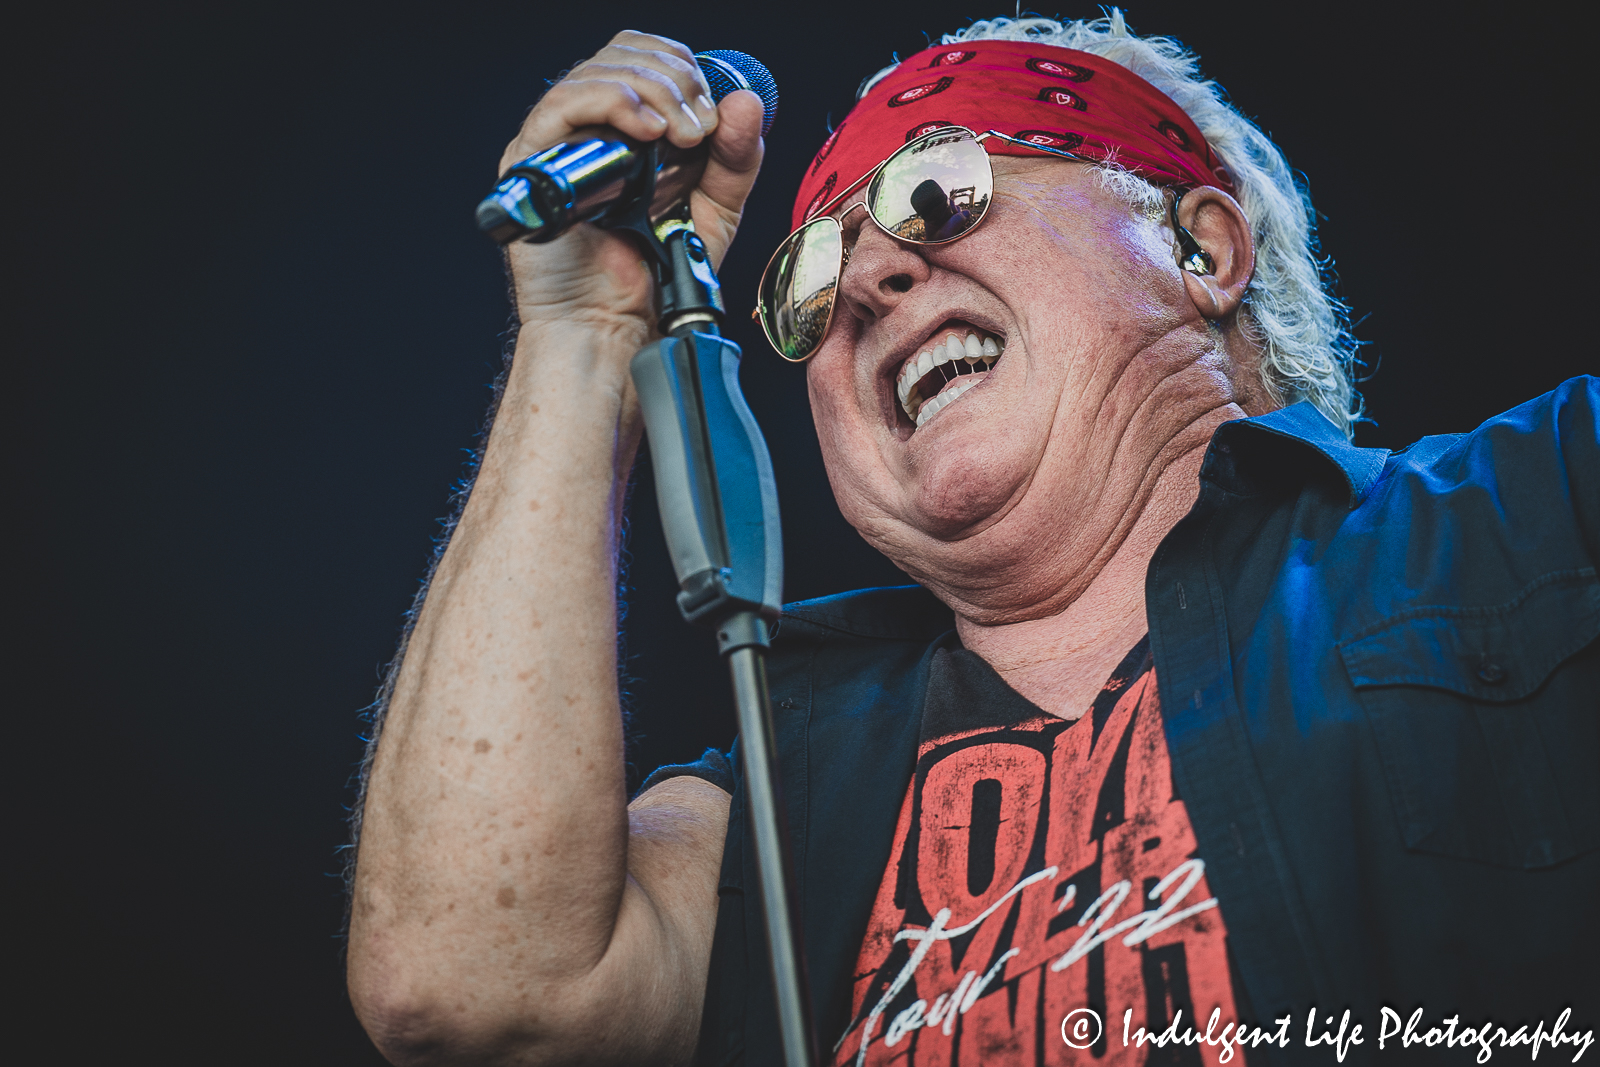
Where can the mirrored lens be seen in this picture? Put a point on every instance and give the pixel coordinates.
(934, 189)
(797, 289)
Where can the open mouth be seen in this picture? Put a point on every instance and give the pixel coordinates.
(953, 360)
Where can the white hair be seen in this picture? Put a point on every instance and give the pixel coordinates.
(1301, 328)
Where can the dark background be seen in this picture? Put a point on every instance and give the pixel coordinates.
(254, 330)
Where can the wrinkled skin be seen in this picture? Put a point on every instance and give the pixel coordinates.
(1032, 504)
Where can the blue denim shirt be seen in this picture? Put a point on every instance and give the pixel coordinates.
(1381, 685)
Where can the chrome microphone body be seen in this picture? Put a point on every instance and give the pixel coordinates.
(541, 197)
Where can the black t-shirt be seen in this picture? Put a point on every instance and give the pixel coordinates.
(1040, 866)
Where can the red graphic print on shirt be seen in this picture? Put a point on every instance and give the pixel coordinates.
(1039, 868)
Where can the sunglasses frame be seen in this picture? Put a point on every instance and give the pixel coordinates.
(867, 179)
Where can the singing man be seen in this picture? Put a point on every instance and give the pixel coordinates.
(1196, 717)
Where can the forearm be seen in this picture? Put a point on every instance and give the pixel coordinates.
(502, 909)
(494, 841)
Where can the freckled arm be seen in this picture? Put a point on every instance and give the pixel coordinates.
(503, 911)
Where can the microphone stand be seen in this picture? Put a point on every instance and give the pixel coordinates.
(719, 510)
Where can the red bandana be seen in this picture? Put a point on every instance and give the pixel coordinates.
(1052, 96)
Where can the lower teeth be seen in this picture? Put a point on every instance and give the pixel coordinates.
(942, 401)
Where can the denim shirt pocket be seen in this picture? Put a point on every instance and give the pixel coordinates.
(1487, 722)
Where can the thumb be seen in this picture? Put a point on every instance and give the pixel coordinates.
(731, 169)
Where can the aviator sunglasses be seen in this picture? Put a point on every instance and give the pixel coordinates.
(933, 190)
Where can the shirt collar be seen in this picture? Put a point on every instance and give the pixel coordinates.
(1302, 422)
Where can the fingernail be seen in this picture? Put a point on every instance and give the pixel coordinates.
(652, 116)
(690, 112)
(705, 103)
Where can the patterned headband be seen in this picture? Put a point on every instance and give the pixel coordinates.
(1057, 97)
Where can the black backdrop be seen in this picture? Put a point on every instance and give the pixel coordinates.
(255, 327)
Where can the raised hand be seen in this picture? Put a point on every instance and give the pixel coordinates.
(644, 87)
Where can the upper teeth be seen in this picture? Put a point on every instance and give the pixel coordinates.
(969, 347)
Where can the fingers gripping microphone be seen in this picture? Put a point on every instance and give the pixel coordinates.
(546, 194)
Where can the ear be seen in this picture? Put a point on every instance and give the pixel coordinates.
(1219, 226)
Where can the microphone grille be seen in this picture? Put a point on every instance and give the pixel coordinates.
(727, 71)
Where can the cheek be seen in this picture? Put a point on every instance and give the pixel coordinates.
(833, 413)
(860, 482)
(828, 385)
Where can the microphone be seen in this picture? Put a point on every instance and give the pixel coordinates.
(546, 194)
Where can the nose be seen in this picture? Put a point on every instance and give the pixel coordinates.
(880, 273)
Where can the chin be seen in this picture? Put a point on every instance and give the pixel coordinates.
(964, 488)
